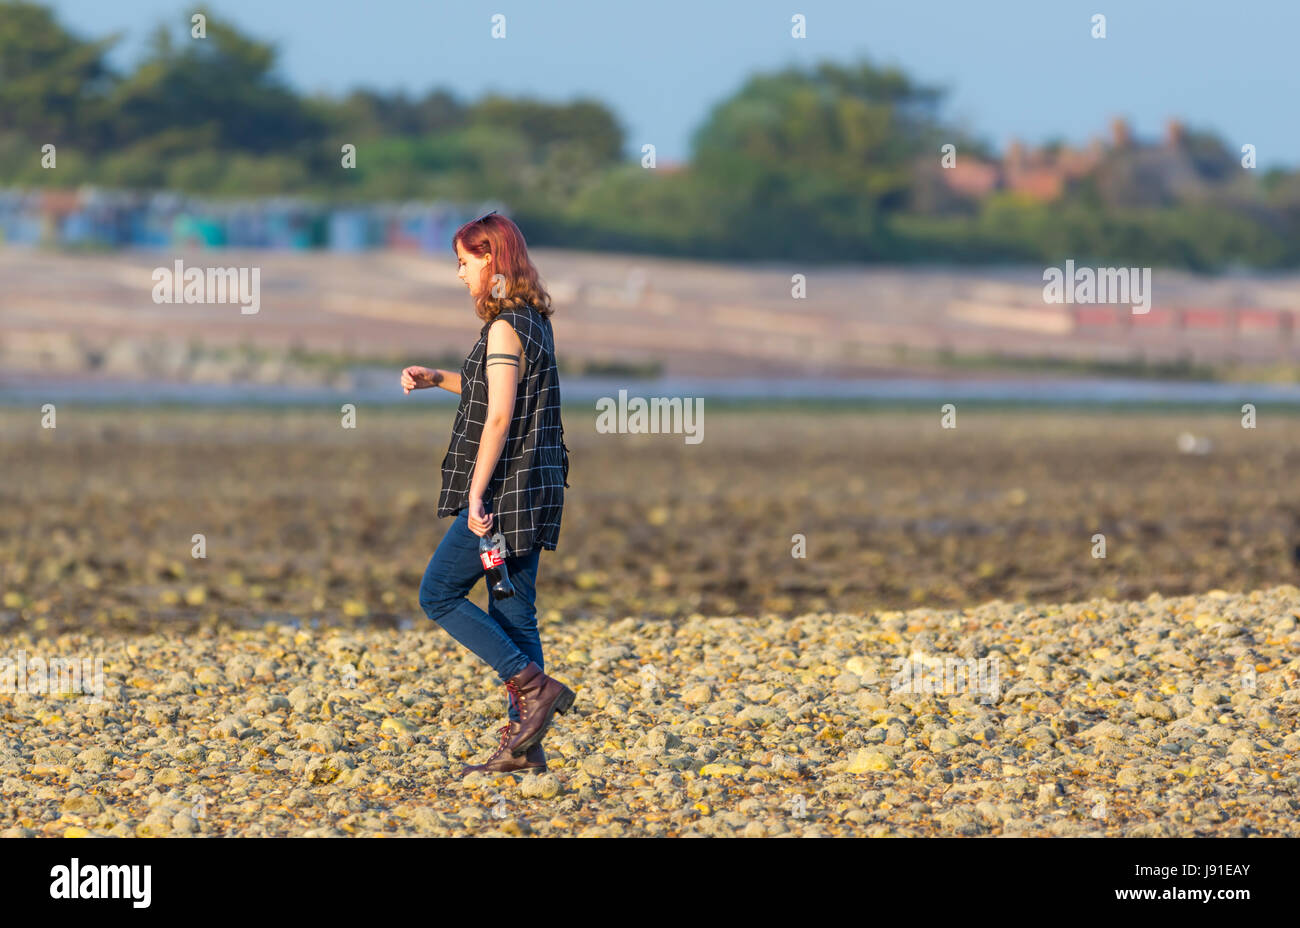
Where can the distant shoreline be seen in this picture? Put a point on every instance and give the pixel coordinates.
(1006, 390)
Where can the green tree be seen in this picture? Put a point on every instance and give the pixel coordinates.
(367, 113)
(813, 162)
(52, 83)
(583, 124)
(226, 80)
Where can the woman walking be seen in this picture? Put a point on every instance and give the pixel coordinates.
(504, 473)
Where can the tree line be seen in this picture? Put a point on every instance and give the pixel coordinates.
(829, 163)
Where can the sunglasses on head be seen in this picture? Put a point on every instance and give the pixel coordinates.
(484, 216)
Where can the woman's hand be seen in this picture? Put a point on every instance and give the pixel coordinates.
(417, 378)
(480, 521)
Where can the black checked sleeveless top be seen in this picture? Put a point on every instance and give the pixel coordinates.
(526, 491)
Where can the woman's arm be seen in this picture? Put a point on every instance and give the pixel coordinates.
(417, 378)
(502, 362)
(448, 380)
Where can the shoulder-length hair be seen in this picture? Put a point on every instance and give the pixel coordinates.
(520, 284)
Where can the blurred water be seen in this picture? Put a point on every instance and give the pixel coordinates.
(376, 387)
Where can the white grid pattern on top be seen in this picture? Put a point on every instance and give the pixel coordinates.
(526, 491)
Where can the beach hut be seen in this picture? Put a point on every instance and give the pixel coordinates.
(198, 226)
(150, 220)
(290, 224)
(351, 229)
(20, 222)
(55, 208)
(402, 229)
(245, 223)
(102, 219)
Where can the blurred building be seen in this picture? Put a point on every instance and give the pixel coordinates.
(1126, 171)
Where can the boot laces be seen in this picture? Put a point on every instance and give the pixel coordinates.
(504, 731)
(513, 693)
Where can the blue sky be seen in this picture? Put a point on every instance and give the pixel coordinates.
(1016, 68)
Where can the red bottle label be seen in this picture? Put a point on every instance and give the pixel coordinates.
(490, 558)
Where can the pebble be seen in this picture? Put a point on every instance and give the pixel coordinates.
(867, 761)
(363, 731)
(847, 683)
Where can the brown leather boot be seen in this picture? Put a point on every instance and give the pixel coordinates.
(502, 761)
(538, 697)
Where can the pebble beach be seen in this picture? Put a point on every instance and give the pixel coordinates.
(1161, 717)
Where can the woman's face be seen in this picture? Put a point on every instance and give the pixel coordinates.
(471, 268)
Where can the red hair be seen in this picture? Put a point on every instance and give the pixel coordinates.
(496, 235)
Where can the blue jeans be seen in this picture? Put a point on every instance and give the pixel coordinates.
(505, 637)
